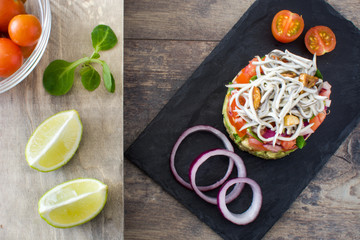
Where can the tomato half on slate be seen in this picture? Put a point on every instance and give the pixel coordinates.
(287, 26)
(320, 40)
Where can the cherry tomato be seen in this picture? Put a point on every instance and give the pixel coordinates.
(9, 9)
(25, 30)
(287, 26)
(10, 57)
(320, 40)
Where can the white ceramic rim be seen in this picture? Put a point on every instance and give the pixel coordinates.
(32, 61)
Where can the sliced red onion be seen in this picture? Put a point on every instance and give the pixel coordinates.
(241, 172)
(268, 133)
(251, 213)
(307, 131)
(327, 102)
(189, 131)
(326, 85)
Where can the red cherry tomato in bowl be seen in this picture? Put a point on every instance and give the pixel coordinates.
(25, 30)
(11, 57)
(9, 9)
(320, 40)
(287, 26)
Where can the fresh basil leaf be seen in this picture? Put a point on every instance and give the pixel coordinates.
(253, 78)
(103, 38)
(108, 78)
(318, 74)
(300, 142)
(90, 78)
(58, 77)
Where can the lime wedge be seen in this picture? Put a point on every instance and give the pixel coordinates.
(73, 203)
(54, 141)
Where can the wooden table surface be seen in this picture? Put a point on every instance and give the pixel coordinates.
(100, 154)
(165, 41)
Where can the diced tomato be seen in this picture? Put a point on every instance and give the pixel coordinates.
(317, 120)
(288, 145)
(256, 144)
(235, 120)
(246, 73)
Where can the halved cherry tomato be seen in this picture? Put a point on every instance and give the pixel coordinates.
(10, 57)
(246, 73)
(320, 40)
(8, 10)
(317, 120)
(287, 26)
(25, 30)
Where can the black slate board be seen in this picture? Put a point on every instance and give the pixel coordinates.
(200, 99)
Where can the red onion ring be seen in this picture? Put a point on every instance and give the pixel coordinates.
(241, 172)
(217, 133)
(251, 213)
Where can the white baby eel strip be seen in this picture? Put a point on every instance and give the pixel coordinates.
(280, 96)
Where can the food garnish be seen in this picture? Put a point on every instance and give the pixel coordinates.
(292, 94)
(251, 213)
(287, 26)
(73, 202)
(223, 197)
(54, 142)
(241, 172)
(186, 133)
(320, 40)
(59, 75)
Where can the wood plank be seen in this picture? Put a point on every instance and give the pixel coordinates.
(100, 154)
(162, 48)
(182, 19)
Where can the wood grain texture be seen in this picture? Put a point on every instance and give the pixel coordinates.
(164, 43)
(100, 154)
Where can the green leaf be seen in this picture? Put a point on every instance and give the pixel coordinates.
(254, 134)
(300, 142)
(318, 74)
(95, 55)
(253, 78)
(58, 77)
(90, 78)
(109, 80)
(112, 83)
(103, 38)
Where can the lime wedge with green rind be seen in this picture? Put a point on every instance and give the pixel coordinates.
(55, 141)
(73, 202)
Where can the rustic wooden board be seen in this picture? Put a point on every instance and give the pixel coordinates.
(159, 57)
(100, 154)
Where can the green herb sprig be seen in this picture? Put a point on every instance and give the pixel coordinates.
(58, 77)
